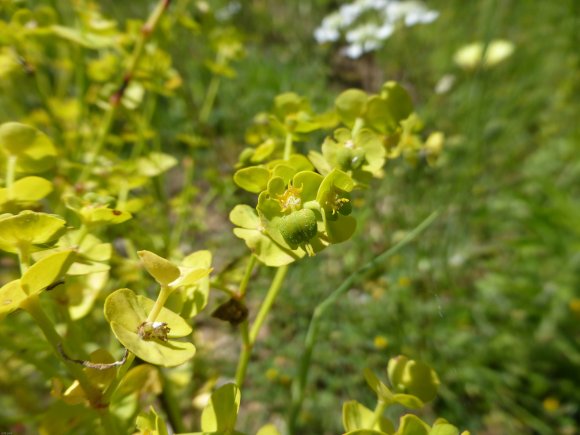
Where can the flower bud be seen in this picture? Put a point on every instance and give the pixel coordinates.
(298, 227)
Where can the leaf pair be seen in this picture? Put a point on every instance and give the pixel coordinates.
(153, 339)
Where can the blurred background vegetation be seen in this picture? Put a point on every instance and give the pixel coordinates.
(490, 294)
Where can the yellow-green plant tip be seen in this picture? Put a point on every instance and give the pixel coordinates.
(164, 271)
(413, 377)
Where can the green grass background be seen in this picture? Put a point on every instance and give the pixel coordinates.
(489, 295)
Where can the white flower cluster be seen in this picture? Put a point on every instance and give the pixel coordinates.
(366, 24)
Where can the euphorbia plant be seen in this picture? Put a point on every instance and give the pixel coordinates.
(83, 260)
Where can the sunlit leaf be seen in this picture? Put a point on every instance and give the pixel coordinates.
(222, 411)
(11, 295)
(103, 215)
(356, 416)
(253, 179)
(269, 429)
(46, 271)
(143, 378)
(350, 105)
(413, 377)
(164, 271)
(155, 164)
(32, 148)
(151, 423)
(28, 229)
(126, 312)
(412, 425)
(27, 189)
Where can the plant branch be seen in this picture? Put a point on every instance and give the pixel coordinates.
(209, 100)
(288, 146)
(92, 365)
(247, 275)
(249, 335)
(115, 99)
(379, 409)
(159, 303)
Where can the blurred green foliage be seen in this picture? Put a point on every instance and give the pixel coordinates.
(489, 296)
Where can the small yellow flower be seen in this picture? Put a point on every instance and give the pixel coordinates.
(574, 305)
(272, 374)
(290, 199)
(380, 342)
(551, 404)
(377, 293)
(404, 281)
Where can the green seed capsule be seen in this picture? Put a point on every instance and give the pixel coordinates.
(298, 227)
(345, 208)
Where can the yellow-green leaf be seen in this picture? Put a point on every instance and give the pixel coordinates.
(126, 312)
(27, 229)
(164, 271)
(253, 179)
(412, 425)
(357, 416)
(46, 271)
(11, 295)
(269, 429)
(33, 149)
(27, 189)
(222, 411)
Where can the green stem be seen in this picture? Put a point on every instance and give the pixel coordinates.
(299, 383)
(101, 139)
(245, 355)
(183, 208)
(358, 124)
(379, 409)
(249, 337)
(268, 302)
(159, 303)
(24, 257)
(10, 175)
(219, 286)
(288, 146)
(32, 306)
(209, 100)
(247, 275)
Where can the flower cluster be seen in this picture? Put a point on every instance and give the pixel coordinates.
(366, 24)
(304, 201)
